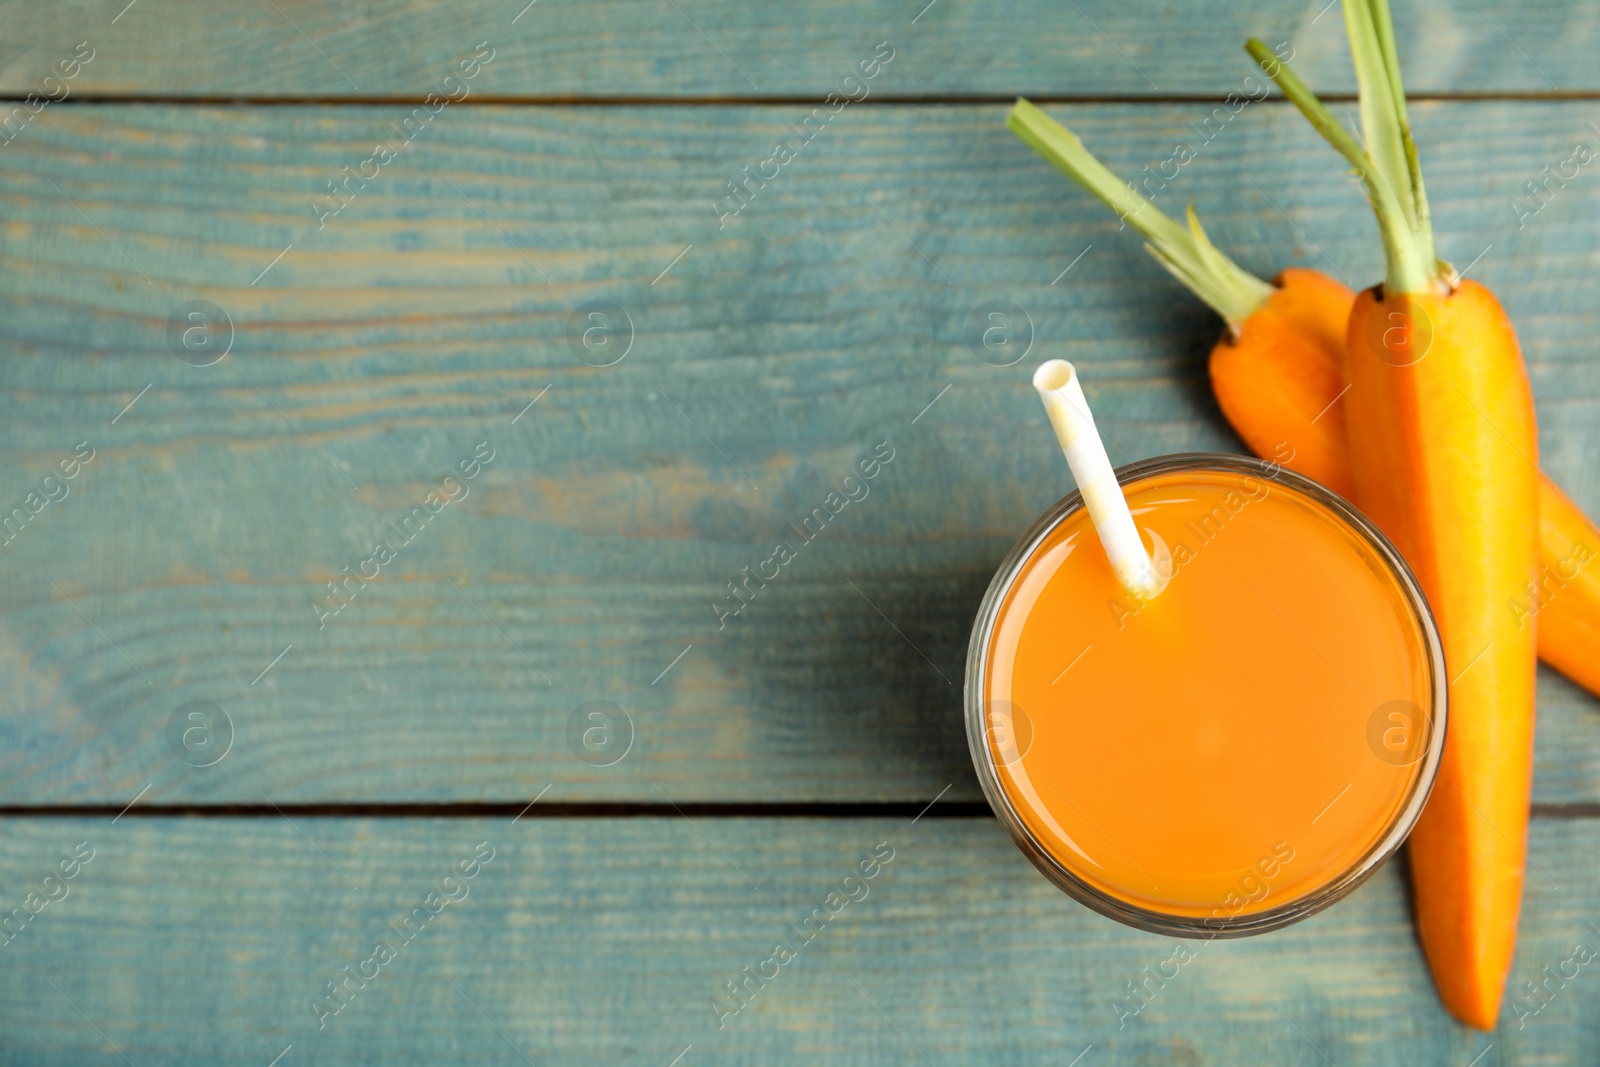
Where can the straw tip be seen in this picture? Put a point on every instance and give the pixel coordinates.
(1053, 374)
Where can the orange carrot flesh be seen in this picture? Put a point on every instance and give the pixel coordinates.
(1278, 382)
(1566, 591)
(1281, 385)
(1444, 453)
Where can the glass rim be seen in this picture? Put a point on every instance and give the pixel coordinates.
(1211, 926)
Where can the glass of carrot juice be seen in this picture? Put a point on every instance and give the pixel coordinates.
(1235, 753)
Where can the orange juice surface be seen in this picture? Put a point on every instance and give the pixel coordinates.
(1239, 741)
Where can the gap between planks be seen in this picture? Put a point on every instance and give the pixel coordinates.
(556, 809)
(552, 809)
(787, 100)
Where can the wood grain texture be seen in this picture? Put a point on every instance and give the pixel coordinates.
(769, 352)
(372, 48)
(203, 941)
(767, 360)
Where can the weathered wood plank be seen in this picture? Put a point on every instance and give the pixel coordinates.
(201, 941)
(371, 48)
(767, 360)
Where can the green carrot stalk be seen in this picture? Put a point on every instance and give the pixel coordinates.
(1186, 251)
(1388, 165)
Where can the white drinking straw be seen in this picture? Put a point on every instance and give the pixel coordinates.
(1064, 402)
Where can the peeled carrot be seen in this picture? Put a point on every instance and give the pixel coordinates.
(1443, 449)
(1278, 375)
(1278, 381)
(1566, 592)
(1442, 453)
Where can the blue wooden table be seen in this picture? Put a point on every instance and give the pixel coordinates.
(424, 385)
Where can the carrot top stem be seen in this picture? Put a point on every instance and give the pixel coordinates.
(1410, 269)
(1186, 251)
(1380, 105)
(1383, 113)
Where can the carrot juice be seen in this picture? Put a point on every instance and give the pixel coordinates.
(1235, 752)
